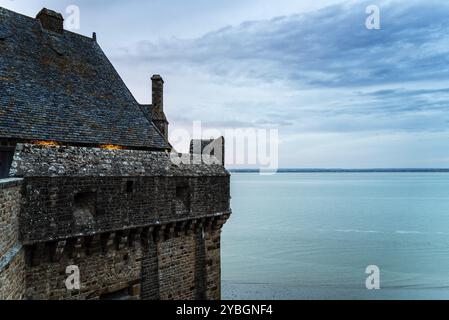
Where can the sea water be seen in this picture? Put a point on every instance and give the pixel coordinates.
(312, 236)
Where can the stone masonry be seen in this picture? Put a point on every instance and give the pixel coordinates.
(12, 262)
(151, 233)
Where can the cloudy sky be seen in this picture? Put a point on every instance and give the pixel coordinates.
(339, 94)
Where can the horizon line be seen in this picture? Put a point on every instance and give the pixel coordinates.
(286, 170)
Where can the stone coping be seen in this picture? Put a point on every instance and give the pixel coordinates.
(10, 182)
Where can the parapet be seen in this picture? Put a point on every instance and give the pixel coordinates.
(51, 161)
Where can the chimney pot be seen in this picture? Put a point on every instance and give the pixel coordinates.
(51, 20)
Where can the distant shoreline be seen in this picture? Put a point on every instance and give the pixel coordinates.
(375, 170)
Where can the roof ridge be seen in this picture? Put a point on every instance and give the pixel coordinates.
(17, 13)
(36, 20)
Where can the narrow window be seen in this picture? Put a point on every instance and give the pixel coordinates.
(182, 199)
(129, 186)
(84, 208)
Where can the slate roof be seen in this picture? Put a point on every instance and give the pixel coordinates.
(63, 88)
(155, 114)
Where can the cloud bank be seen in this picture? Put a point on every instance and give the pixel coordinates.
(340, 94)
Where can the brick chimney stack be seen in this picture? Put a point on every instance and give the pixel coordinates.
(51, 20)
(157, 108)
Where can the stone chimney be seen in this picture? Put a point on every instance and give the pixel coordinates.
(51, 20)
(158, 91)
(157, 108)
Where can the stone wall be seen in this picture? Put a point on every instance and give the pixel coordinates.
(179, 274)
(172, 264)
(102, 271)
(62, 207)
(213, 264)
(12, 267)
(12, 275)
(189, 267)
(135, 223)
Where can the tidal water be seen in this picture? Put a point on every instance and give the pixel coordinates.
(312, 235)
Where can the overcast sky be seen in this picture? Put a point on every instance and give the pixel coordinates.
(341, 95)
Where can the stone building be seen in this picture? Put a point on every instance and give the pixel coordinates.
(88, 182)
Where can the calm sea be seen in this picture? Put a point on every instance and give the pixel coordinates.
(312, 235)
